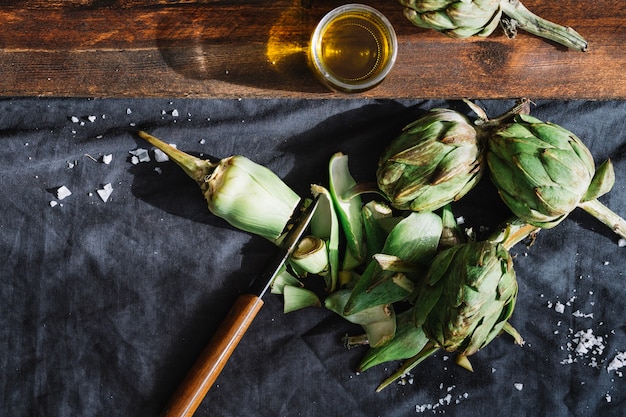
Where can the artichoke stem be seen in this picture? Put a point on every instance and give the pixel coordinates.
(605, 215)
(354, 341)
(196, 168)
(528, 21)
(513, 231)
(521, 107)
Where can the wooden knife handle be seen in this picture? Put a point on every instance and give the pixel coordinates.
(213, 358)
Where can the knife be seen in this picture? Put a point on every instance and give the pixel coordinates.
(213, 358)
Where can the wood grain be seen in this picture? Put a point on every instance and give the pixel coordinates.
(253, 48)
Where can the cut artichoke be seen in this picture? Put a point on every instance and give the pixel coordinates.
(247, 195)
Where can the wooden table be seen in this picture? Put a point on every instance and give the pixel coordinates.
(222, 49)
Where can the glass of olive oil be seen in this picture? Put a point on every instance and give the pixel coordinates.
(353, 48)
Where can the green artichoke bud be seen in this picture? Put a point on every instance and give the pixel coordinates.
(466, 296)
(543, 172)
(455, 18)
(247, 195)
(466, 18)
(436, 160)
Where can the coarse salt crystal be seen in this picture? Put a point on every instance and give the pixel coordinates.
(559, 307)
(91, 118)
(518, 386)
(577, 313)
(105, 192)
(107, 159)
(75, 119)
(53, 203)
(587, 342)
(63, 192)
(174, 113)
(619, 361)
(621, 243)
(160, 156)
(128, 111)
(141, 154)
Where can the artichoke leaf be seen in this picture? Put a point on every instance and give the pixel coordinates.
(408, 341)
(296, 298)
(379, 322)
(348, 208)
(602, 182)
(284, 278)
(375, 232)
(414, 240)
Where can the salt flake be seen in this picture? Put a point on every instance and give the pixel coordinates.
(577, 313)
(105, 192)
(63, 192)
(559, 307)
(160, 156)
(107, 159)
(618, 362)
(518, 386)
(141, 154)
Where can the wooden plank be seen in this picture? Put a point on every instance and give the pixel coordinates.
(213, 48)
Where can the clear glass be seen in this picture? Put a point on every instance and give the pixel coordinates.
(353, 48)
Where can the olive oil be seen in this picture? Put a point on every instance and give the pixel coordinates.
(353, 48)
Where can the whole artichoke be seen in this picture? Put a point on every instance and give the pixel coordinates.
(455, 18)
(465, 18)
(436, 160)
(541, 170)
(466, 297)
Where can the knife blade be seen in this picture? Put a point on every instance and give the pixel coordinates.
(215, 355)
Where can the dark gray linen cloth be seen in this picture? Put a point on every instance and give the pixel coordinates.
(104, 306)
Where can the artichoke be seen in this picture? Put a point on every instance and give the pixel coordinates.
(466, 18)
(436, 160)
(247, 195)
(543, 171)
(455, 18)
(466, 297)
